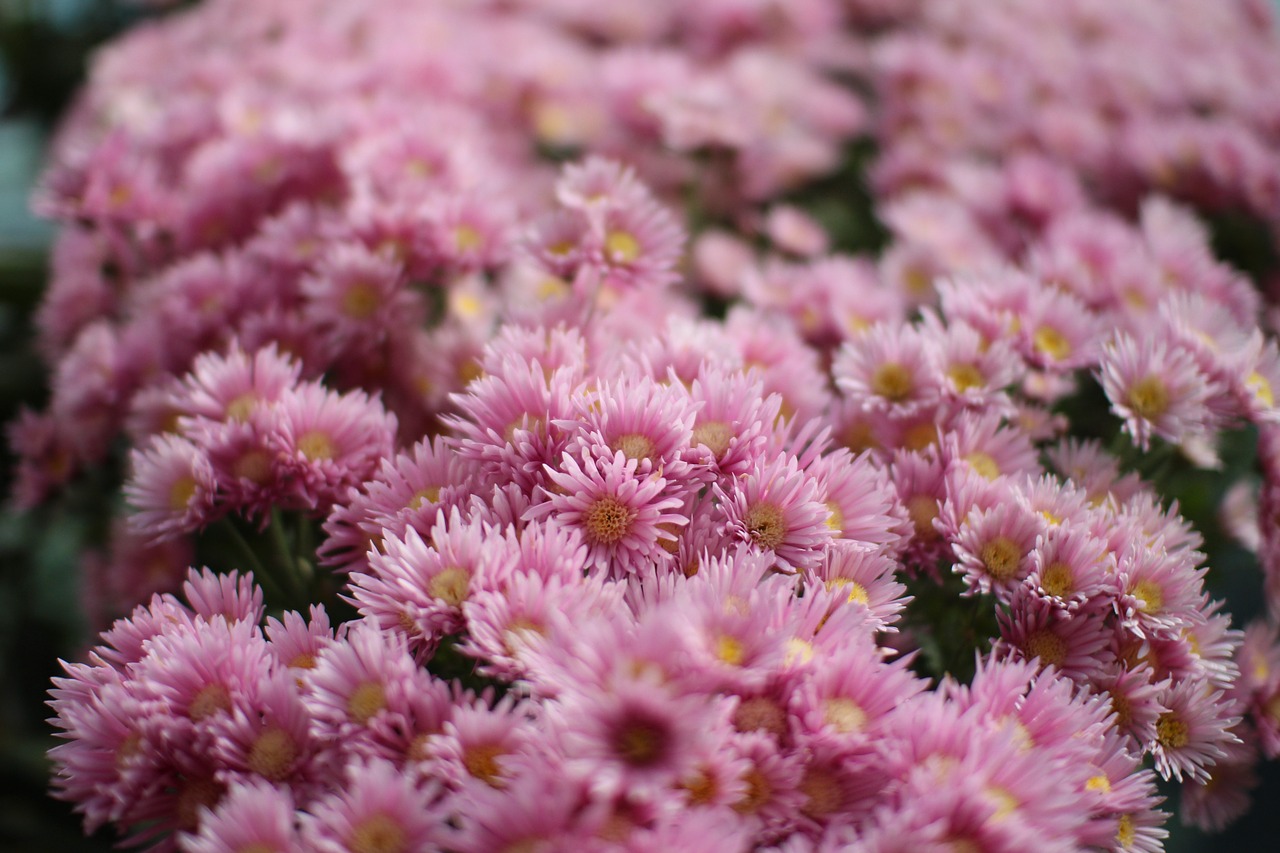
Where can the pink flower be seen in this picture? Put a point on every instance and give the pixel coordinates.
(1156, 388)
(253, 815)
(379, 808)
(171, 488)
(776, 511)
(1192, 735)
(623, 517)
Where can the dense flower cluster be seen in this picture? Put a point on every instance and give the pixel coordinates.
(623, 527)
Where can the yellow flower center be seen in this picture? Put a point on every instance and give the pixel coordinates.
(1261, 388)
(622, 246)
(427, 495)
(766, 525)
(760, 713)
(923, 509)
(241, 407)
(607, 521)
(378, 833)
(254, 466)
(857, 592)
(1148, 398)
(467, 238)
(1001, 557)
(181, 493)
(634, 446)
(210, 700)
(892, 381)
(983, 464)
(822, 790)
(715, 435)
(272, 754)
(1151, 595)
(316, 446)
(1046, 645)
(366, 701)
(1057, 579)
(1171, 732)
(965, 376)
(482, 762)
(730, 650)
(450, 585)
(844, 715)
(1126, 833)
(1099, 783)
(360, 301)
(1049, 341)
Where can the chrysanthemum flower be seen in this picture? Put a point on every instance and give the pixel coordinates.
(1071, 643)
(1160, 591)
(379, 808)
(171, 488)
(1072, 569)
(888, 369)
(775, 509)
(623, 517)
(1192, 735)
(1156, 388)
(254, 815)
(994, 547)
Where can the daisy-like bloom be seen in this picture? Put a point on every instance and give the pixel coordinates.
(1156, 388)
(788, 366)
(205, 671)
(233, 596)
(537, 811)
(507, 418)
(1192, 735)
(1226, 795)
(734, 420)
(502, 625)
(254, 815)
(859, 500)
(644, 420)
(354, 296)
(993, 549)
(1071, 643)
(171, 488)
(1071, 569)
(840, 708)
(866, 577)
(638, 734)
(469, 231)
(623, 517)
(359, 681)
(636, 247)
(1255, 376)
(776, 510)
(273, 741)
(981, 441)
(228, 387)
(474, 746)
(921, 488)
(1134, 697)
(1161, 591)
(974, 370)
(296, 642)
(418, 589)
(325, 443)
(379, 809)
(887, 368)
(1056, 331)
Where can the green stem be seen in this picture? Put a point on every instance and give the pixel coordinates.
(284, 560)
(250, 559)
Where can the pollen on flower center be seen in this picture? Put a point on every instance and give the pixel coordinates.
(844, 715)
(378, 833)
(822, 789)
(450, 585)
(240, 408)
(1000, 557)
(1171, 732)
(1126, 833)
(1261, 388)
(857, 592)
(607, 521)
(1057, 579)
(1052, 343)
(467, 239)
(634, 446)
(360, 301)
(210, 700)
(482, 762)
(984, 464)
(923, 509)
(716, 435)
(729, 649)
(964, 376)
(316, 446)
(622, 246)
(766, 525)
(892, 381)
(1148, 397)
(430, 494)
(181, 493)
(1046, 645)
(254, 466)
(640, 743)
(366, 701)
(273, 754)
(1122, 707)
(1151, 595)
(192, 795)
